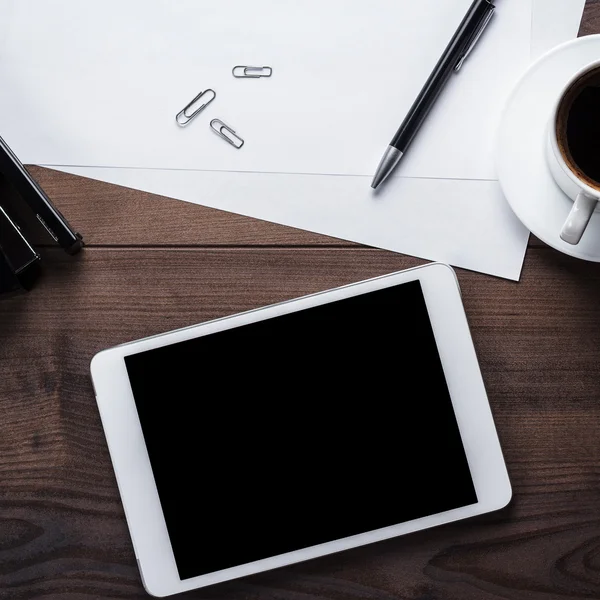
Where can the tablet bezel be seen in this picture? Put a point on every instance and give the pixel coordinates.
(133, 470)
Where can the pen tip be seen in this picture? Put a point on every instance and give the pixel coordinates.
(389, 161)
(378, 179)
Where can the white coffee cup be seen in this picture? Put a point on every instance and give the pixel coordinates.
(584, 191)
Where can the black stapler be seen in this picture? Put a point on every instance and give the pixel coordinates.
(19, 261)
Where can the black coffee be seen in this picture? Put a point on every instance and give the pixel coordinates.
(578, 128)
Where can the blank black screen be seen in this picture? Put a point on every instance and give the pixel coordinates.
(300, 429)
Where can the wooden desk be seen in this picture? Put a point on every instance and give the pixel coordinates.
(154, 264)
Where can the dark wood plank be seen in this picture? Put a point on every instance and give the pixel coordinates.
(590, 23)
(62, 530)
(110, 215)
(107, 214)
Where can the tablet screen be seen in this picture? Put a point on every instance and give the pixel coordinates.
(300, 429)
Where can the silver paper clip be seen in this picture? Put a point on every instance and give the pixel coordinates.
(251, 72)
(234, 139)
(183, 118)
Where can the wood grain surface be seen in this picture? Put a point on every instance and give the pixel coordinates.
(154, 264)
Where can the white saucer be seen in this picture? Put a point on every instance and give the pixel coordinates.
(520, 148)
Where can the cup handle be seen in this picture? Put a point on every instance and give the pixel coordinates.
(578, 219)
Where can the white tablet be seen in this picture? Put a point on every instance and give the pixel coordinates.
(300, 429)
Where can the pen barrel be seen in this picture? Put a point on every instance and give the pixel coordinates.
(456, 49)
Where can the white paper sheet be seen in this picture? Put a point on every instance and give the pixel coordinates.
(554, 22)
(99, 83)
(465, 223)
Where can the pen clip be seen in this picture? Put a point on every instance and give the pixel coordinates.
(484, 23)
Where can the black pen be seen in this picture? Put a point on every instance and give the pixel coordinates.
(33, 195)
(465, 38)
